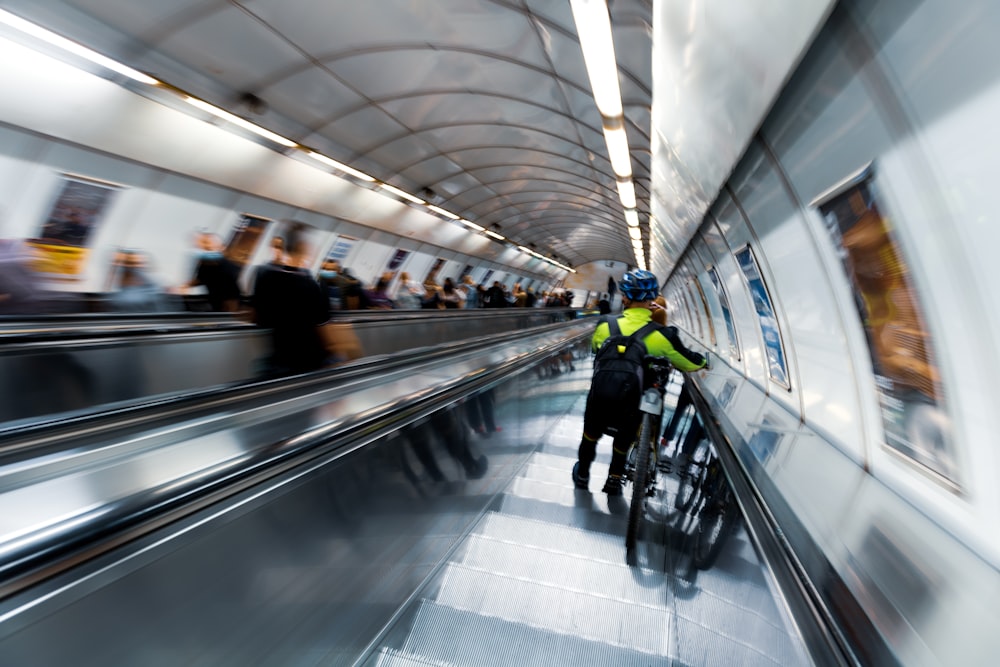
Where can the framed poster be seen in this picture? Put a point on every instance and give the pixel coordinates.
(245, 238)
(397, 260)
(77, 210)
(909, 386)
(773, 347)
(708, 313)
(727, 313)
(341, 248)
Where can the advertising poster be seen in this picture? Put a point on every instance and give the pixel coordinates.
(906, 374)
(708, 313)
(246, 235)
(397, 260)
(727, 314)
(773, 347)
(61, 245)
(341, 248)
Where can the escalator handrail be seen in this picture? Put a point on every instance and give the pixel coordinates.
(827, 643)
(34, 557)
(105, 423)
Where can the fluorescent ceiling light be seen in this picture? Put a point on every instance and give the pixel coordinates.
(490, 232)
(626, 192)
(621, 161)
(438, 209)
(337, 165)
(236, 120)
(593, 25)
(631, 217)
(635, 233)
(400, 193)
(471, 225)
(50, 37)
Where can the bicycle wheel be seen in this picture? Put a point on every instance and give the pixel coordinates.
(692, 476)
(718, 519)
(643, 447)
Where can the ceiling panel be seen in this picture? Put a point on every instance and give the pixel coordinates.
(486, 103)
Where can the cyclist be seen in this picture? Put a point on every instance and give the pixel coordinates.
(638, 289)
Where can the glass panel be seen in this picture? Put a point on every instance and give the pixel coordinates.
(765, 316)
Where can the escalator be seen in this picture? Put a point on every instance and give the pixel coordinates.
(59, 364)
(414, 513)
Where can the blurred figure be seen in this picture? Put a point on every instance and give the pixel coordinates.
(217, 274)
(277, 251)
(451, 297)
(479, 413)
(136, 291)
(351, 292)
(377, 298)
(659, 310)
(531, 298)
(471, 291)
(495, 297)
(519, 296)
(432, 296)
(329, 280)
(292, 304)
(604, 307)
(410, 293)
(20, 292)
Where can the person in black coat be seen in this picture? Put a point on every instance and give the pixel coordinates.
(290, 302)
(217, 274)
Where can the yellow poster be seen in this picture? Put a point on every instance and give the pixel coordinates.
(61, 245)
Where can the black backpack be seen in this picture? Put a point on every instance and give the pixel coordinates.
(620, 365)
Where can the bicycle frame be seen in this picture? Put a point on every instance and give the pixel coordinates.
(651, 405)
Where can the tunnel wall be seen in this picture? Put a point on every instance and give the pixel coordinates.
(843, 283)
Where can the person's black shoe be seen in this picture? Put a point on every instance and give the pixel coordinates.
(613, 485)
(579, 481)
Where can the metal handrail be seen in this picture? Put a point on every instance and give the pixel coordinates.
(33, 557)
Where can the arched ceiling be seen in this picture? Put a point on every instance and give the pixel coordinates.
(481, 107)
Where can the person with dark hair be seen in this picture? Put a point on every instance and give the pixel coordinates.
(377, 298)
(495, 297)
(604, 305)
(217, 274)
(451, 297)
(289, 302)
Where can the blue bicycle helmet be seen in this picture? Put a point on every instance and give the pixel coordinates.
(639, 286)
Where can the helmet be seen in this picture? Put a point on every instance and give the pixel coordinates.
(639, 286)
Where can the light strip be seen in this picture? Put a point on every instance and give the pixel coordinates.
(593, 25)
(631, 217)
(399, 193)
(52, 38)
(438, 209)
(236, 120)
(635, 233)
(472, 225)
(338, 165)
(621, 161)
(490, 232)
(626, 192)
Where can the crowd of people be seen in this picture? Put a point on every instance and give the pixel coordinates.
(389, 291)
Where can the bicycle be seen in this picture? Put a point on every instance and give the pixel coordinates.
(643, 450)
(705, 494)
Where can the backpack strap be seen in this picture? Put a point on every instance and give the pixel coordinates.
(613, 328)
(645, 330)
